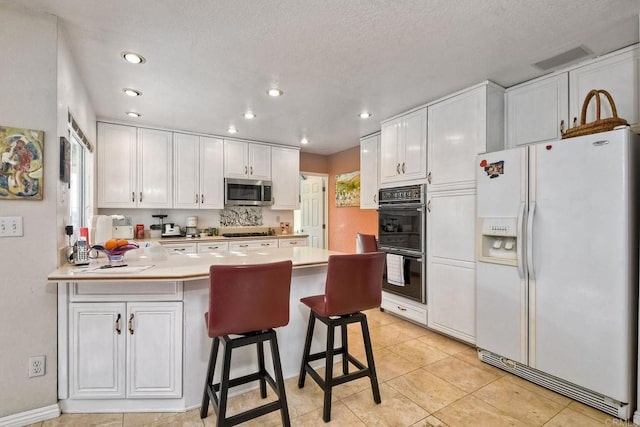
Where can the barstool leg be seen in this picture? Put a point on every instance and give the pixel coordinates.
(224, 383)
(345, 345)
(370, 362)
(307, 349)
(277, 367)
(328, 376)
(262, 370)
(213, 356)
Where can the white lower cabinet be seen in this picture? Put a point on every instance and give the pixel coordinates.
(289, 242)
(451, 263)
(182, 248)
(124, 350)
(252, 244)
(404, 307)
(204, 247)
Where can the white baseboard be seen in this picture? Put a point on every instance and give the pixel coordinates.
(30, 417)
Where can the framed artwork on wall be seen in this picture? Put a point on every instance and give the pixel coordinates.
(22, 167)
(348, 189)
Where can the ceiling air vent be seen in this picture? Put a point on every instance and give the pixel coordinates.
(565, 58)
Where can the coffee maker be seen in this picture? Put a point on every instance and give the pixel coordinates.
(192, 226)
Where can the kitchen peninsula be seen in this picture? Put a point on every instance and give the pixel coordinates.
(133, 338)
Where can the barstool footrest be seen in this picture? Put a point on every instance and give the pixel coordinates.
(253, 413)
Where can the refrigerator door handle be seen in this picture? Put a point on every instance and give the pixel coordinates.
(520, 240)
(532, 210)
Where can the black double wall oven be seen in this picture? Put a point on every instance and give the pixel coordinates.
(402, 236)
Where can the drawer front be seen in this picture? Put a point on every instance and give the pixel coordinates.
(252, 244)
(213, 247)
(400, 307)
(183, 248)
(125, 291)
(287, 243)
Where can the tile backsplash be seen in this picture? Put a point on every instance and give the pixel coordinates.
(240, 215)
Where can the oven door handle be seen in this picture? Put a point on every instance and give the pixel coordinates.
(393, 206)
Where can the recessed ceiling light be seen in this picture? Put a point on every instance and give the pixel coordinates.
(131, 92)
(232, 129)
(133, 58)
(133, 114)
(249, 115)
(364, 115)
(275, 92)
(304, 141)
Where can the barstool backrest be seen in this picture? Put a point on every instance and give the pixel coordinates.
(247, 298)
(354, 283)
(366, 243)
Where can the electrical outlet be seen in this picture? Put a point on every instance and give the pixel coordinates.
(36, 366)
(10, 226)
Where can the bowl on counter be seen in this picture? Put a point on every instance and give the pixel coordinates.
(116, 255)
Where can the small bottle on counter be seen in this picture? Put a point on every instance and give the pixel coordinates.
(140, 231)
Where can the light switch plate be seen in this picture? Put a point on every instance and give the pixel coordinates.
(11, 226)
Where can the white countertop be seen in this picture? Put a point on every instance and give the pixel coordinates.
(156, 263)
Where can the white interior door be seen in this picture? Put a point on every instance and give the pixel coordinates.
(312, 207)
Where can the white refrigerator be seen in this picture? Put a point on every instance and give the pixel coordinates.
(557, 271)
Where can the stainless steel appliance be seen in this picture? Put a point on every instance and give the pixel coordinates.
(402, 235)
(247, 192)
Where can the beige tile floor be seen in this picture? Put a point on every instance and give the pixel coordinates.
(426, 379)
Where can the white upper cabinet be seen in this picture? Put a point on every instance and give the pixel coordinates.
(369, 177)
(619, 75)
(460, 128)
(246, 160)
(285, 173)
(403, 148)
(198, 182)
(538, 111)
(134, 167)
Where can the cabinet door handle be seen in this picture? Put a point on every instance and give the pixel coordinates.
(118, 330)
(179, 249)
(131, 324)
(202, 198)
(398, 168)
(375, 198)
(213, 247)
(429, 177)
(197, 198)
(402, 308)
(575, 121)
(403, 167)
(141, 196)
(245, 170)
(429, 206)
(561, 127)
(244, 246)
(133, 196)
(293, 242)
(251, 168)
(265, 244)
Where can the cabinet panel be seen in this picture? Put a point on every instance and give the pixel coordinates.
(96, 354)
(536, 111)
(180, 248)
(292, 242)
(414, 156)
(619, 75)
(389, 166)
(285, 178)
(369, 181)
(154, 164)
(451, 221)
(116, 166)
(451, 300)
(259, 161)
(404, 307)
(252, 244)
(235, 159)
(457, 133)
(154, 350)
(211, 175)
(186, 180)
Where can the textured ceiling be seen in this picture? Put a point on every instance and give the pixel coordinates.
(210, 60)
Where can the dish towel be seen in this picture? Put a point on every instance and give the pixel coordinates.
(395, 269)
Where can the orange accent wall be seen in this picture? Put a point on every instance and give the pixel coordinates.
(344, 223)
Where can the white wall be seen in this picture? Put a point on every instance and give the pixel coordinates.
(30, 79)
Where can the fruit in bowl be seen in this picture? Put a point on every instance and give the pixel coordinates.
(115, 249)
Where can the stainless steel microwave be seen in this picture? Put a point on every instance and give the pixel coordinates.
(247, 192)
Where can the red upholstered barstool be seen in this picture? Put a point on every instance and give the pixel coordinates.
(354, 283)
(249, 301)
(366, 243)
